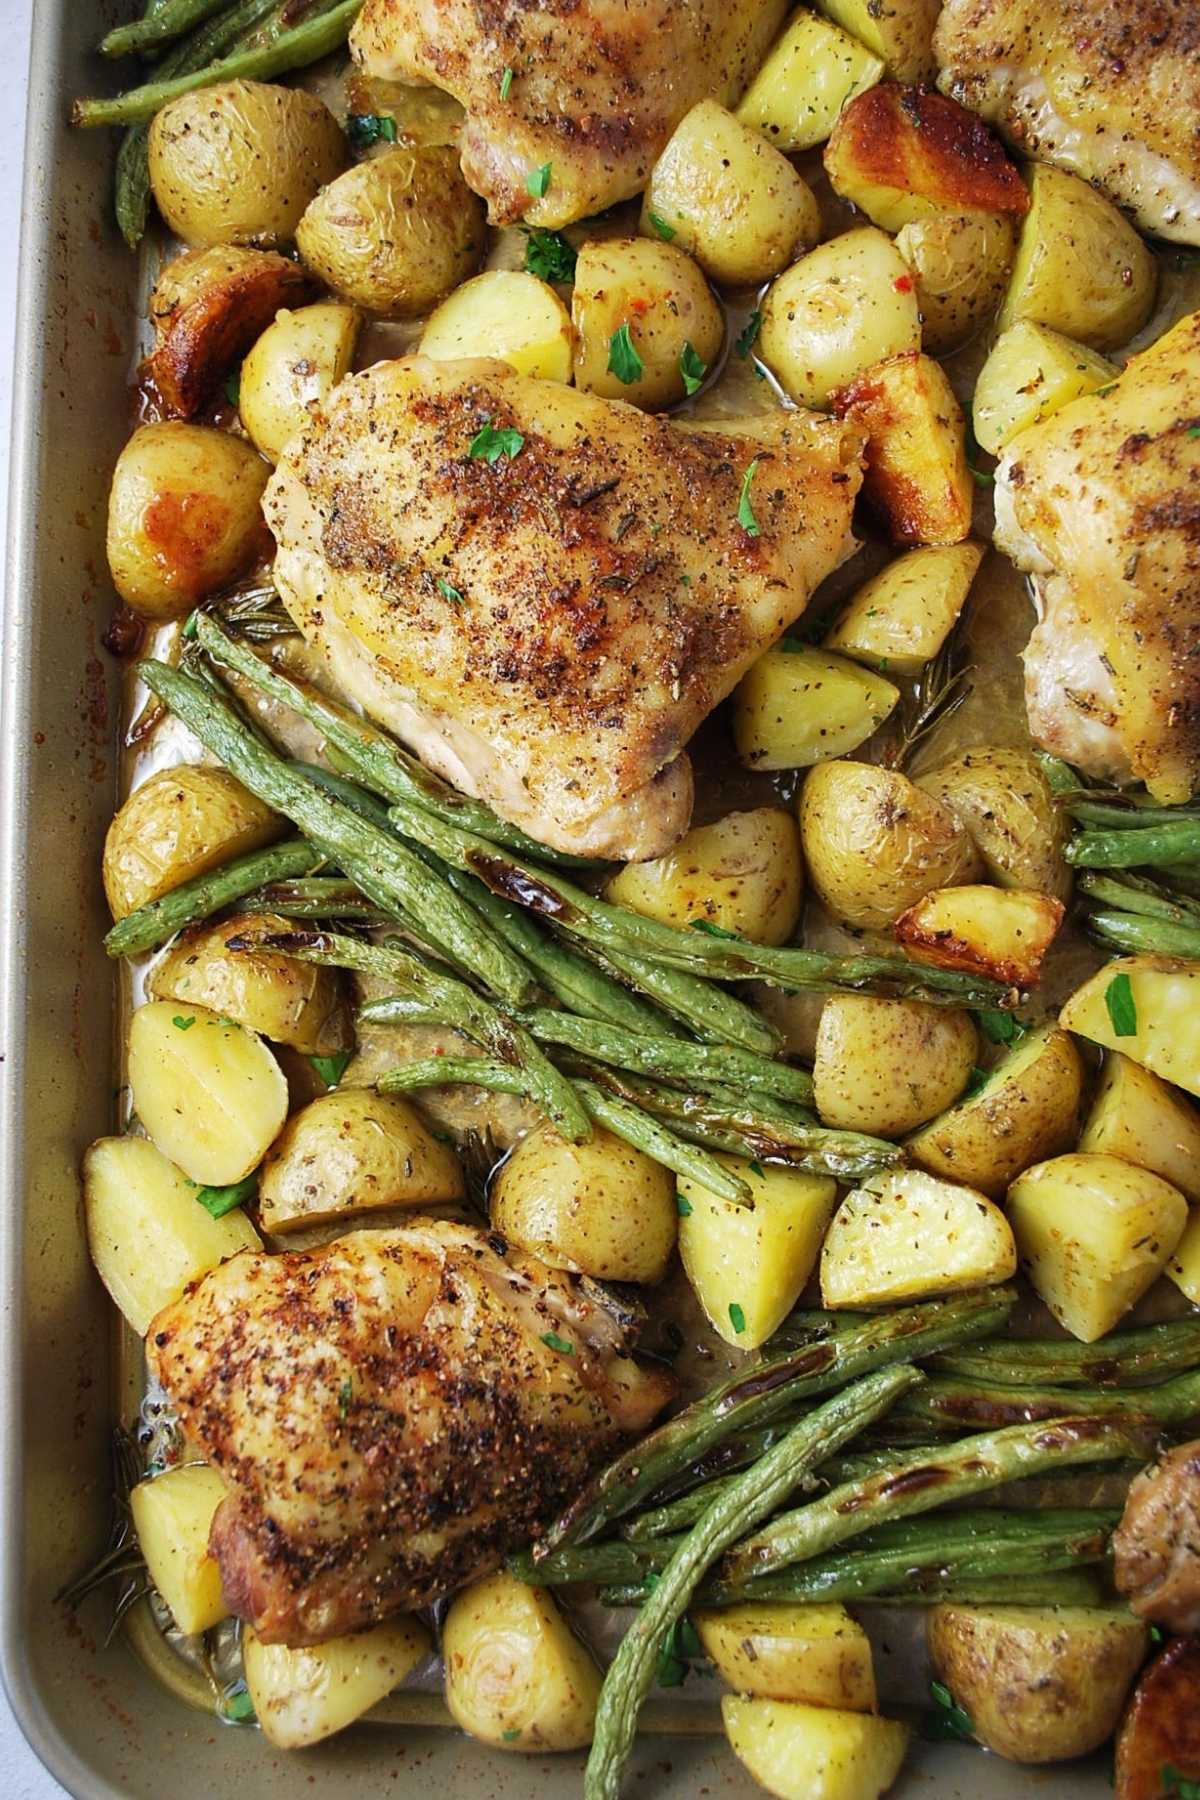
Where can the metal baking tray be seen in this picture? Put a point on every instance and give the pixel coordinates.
(108, 1722)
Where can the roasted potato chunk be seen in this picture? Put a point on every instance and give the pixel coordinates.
(207, 308)
(1080, 268)
(905, 1235)
(1138, 1116)
(1030, 373)
(811, 71)
(288, 1001)
(801, 1752)
(1183, 1264)
(742, 874)
(1003, 800)
(797, 706)
(352, 1151)
(886, 1066)
(1161, 1729)
(293, 369)
(917, 478)
(840, 309)
(180, 823)
(237, 163)
(901, 617)
(781, 1651)
(646, 325)
(303, 1696)
(172, 1514)
(510, 315)
(899, 31)
(1003, 933)
(960, 263)
(1148, 1008)
(517, 1677)
(902, 153)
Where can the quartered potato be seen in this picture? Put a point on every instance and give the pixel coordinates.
(644, 318)
(180, 823)
(901, 618)
(1183, 1264)
(801, 1752)
(1003, 933)
(292, 370)
(517, 1677)
(172, 1514)
(885, 1066)
(917, 478)
(812, 70)
(207, 308)
(1080, 267)
(721, 192)
(1148, 1008)
(899, 31)
(349, 1152)
(303, 1696)
(511, 315)
(905, 1235)
(289, 1001)
(742, 873)
(1138, 1116)
(960, 263)
(847, 304)
(780, 1650)
(798, 705)
(1030, 373)
(1093, 1233)
(1005, 803)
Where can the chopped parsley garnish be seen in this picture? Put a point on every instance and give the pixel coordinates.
(1000, 1027)
(511, 1735)
(1193, 431)
(1122, 1010)
(737, 1317)
(692, 367)
(181, 1024)
(745, 339)
(238, 1707)
(232, 386)
(345, 1396)
(193, 624)
(1176, 1784)
(563, 1345)
(709, 929)
(365, 129)
(217, 1201)
(506, 84)
(449, 590)
(623, 360)
(666, 232)
(975, 1080)
(745, 512)
(489, 444)
(331, 1068)
(549, 255)
(948, 1720)
(756, 1168)
(683, 1207)
(680, 1647)
(537, 182)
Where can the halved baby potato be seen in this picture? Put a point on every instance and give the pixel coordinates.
(172, 1515)
(1148, 1008)
(508, 314)
(844, 306)
(1080, 268)
(801, 1752)
(917, 476)
(179, 824)
(811, 71)
(292, 370)
(1138, 1116)
(781, 1650)
(1004, 800)
(1003, 933)
(288, 1001)
(1030, 373)
(207, 308)
(644, 320)
(960, 263)
(517, 1677)
(901, 618)
(1183, 1264)
(303, 1696)
(886, 1066)
(798, 705)
(905, 1234)
(742, 874)
(901, 32)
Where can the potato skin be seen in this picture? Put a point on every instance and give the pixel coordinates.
(207, 308)
(1155, 1563)
(1040, 1684)
(1003, 800)
(351, 1151)
(1161, 1728)
(302, 1696)
(960, 263)
(183, 516)
(798, 705)
(238, 163)
(874, 843)
(288, 1001)
(886, 1066)
(517, 1677)
(179, 824)
(659, 294)
(742, 873)
(395, 234)
(847, 304)
(1080, 268)
(292, 369)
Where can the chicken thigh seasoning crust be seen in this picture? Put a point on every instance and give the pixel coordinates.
(548, 628)
(1101, 505)
(1157, 1545)
(391, 1413)
(1107, 88)
(597, 86)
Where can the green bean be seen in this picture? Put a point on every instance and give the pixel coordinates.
(192, 901)
(947, 1401)
(1136, 895)
(305, 43)
(671, 1057)
(1060, 776)
(321, 897)
(713, 1014)
(159, 26)
(1144, 1353)
(1137, 846)
(1124, 817)
(753, 1497)
(1065, 1587)
(1129, 932)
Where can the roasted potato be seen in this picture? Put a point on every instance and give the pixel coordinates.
(1040, 1683)
(517, 1677)
(797, 706)
(905, 1235)
(1148, 1008)
(1161, 1728)
(917, 477)
(183, 515)
(886, 1066)
(1003, 933)
(1030, 372)
(1025, 1110)
(784, 1651)
(874, 843)
(748, 1264)
(396, 233)
(1003, 800)
(904, 153)
(841, 308)
(303, 1696)
(1093, 1233)
(209, 1093)
(721, 192)
(644, 318)
(238, 163)
(801, 1752)
(899, 31)
(172, 1514)
(811, 71)
(292, 370)
(512, 316)
(602, 1208)
(1183, 1264)
(1080, 266)
(147, 1232)
(353, 1151)
(289, 1001)
(901, 618)
(180, 823)
(1138, 1116)
(742, 873)
(207, 308)
(960, 263)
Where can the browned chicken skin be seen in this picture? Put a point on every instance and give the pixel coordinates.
(389, 1416)
(1157, 1544)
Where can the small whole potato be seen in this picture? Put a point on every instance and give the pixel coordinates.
(238, 163)
(184, 515)
(742, 874)
(292, 369)
(180, 823)
(602, 1208)
(847, 304)
(516, 1675)
(886, 1066)
(395, 234)
(353, 1151)
(657, 298)
(288, 1001)
(960, 263)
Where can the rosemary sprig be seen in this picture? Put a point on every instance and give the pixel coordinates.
(937, 692)
(121, 1560)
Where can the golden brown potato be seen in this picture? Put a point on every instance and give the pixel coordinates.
(177, 825)
(905, 1234)
(183, 516)
(508, 314)
(742, 873)
(1041, 1684)
(917, 477)
(292, 370)
(812, 69)
(901, 32)
(903, 153)
(1005, 803)
(729, 198)
(517, 1677)
(787, 1651)
(395, 234)
(874, 843)
(1161, 1729)
(841, 308)
(1003, 933)
(288, 1001)
(901, 617)
(303, 1696)
(1030, 372)
(798, 705)
(646, 325)
(238, 162)
(353, 1151)
(801, 1752)
(960, 263)
(1138, 1116)
(207, 308)
(886, 1066)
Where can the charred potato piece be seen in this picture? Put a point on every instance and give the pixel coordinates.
(1161, 1728)
(293, 369)
(917, 478)
(843, 307)
(207, 308)
(1003, 933)
(181, 823)
(960, 263)
(646, 325)
(288, 1001)
(905, 1235)
(1003, 800)
(1080, 268)
(901, 617)
(899, 31)
(238, 162)
(886, 1066)
(811, 71)
(353, 1151)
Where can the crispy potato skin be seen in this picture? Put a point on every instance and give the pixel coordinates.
(915, 140)
(1161, 1728)
(960, 263)
(1157, 1544)
(917, 477)
(207, 308)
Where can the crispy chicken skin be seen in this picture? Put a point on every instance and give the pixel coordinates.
(597, 86)
(1109, 89)
(548, 629)
(388, 1416)
(1157, 1544)
(1100, 504)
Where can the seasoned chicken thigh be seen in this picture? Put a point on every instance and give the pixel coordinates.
(596, 89)
(1157, 1544)
(546, 612)
(1109, 89)
(391, 1413)
(1100, 504)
